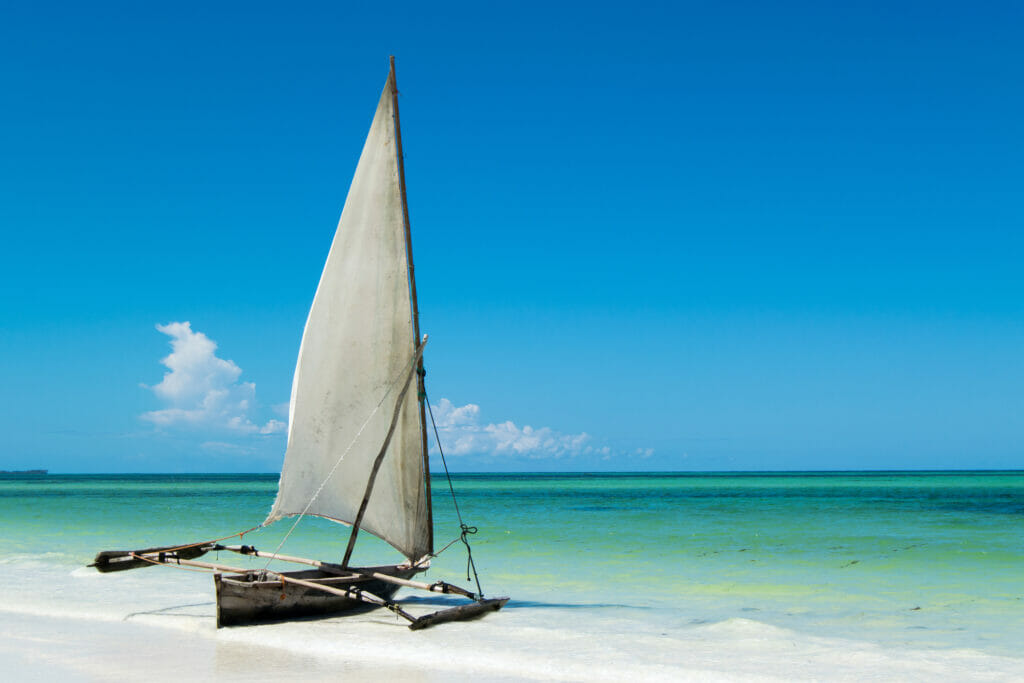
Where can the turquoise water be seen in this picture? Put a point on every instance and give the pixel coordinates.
(931, 559)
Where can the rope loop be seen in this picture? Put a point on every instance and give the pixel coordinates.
(466, 531)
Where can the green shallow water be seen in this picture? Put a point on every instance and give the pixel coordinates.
(929, 558)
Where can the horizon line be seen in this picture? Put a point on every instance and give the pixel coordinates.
(549, 472)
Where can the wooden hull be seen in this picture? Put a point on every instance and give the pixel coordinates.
(245, 599)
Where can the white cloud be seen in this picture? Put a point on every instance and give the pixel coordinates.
(225, 447)
(463, 434)
(273, 427)
(202, 391)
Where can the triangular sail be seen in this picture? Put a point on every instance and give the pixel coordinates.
(358, 341)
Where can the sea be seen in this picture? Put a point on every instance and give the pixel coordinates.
(612, 576)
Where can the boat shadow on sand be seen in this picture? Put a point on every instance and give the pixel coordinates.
(177, 611)
(441, 601)
(432, 602)
(172, 611)
(408, 601)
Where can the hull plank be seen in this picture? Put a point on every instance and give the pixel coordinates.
(246, 599)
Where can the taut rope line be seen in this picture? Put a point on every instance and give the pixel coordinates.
(466, 530)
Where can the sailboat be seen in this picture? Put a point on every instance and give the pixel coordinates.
(357, 441)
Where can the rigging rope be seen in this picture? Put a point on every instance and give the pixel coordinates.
(466, 530)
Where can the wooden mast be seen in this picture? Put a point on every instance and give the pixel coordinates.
(417, 348)
(420, 388)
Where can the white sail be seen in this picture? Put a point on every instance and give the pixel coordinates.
(358, 341)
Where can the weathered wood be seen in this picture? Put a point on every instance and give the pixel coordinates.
(249, 598)
(121, 560)
(329, 567)
(349, 591)
(380, 456)
(436, 587)
(201, 565)
(354, 594)
(460, 613)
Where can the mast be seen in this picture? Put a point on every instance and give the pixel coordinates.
(421, 391)
(362, 316)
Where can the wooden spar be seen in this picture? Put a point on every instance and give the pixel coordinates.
(380, 456)
(202, 565)
(437, 587)
(421, 390)
(329, 567)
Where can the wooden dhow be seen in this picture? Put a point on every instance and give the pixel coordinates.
(357, 442)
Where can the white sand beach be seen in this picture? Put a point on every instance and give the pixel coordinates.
(156, 627)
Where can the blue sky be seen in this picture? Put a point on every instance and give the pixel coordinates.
(696, 236)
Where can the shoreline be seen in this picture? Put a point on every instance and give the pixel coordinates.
(370, 647)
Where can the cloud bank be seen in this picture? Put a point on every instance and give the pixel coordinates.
(202, 391)
(463, 434)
